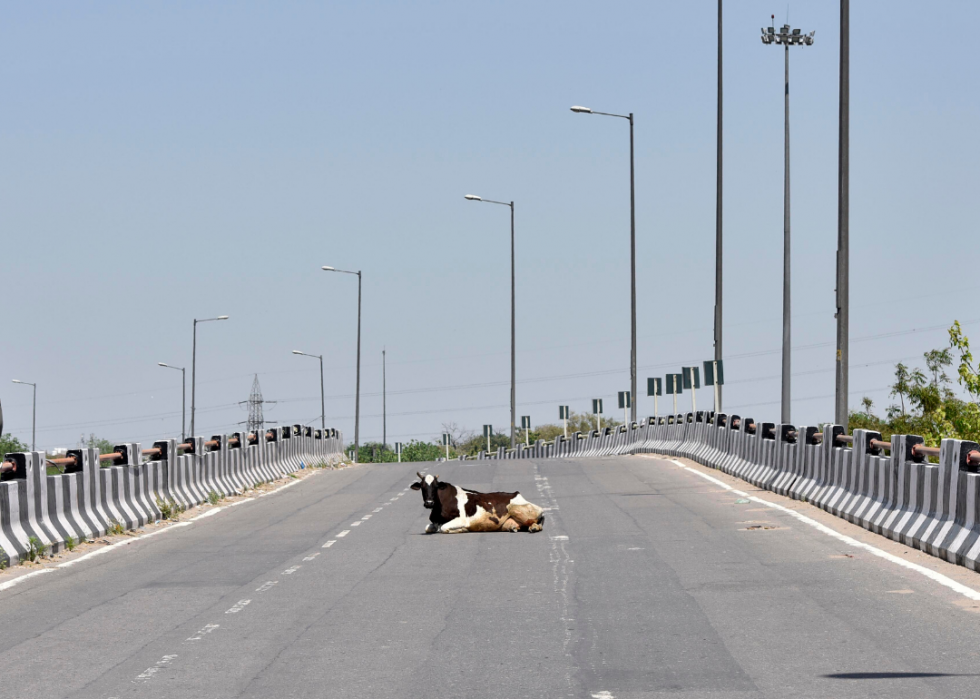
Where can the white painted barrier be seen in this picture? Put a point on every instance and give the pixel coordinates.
(92, 498)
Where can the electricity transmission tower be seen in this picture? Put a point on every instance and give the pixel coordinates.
(256, 420)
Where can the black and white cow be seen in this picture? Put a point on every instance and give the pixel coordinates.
(455, 510)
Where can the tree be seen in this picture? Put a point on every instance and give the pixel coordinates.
(928, 405)
(10, 445)
(103, 445)
(586, 422)
(937, 360)
(967, 373)
(477, 443)
(901, 386)
(372, 452)
(458, 435)
(422, 451)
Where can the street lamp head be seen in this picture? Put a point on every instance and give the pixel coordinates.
(298, 352)
(327, 269)
(162, 364)
(582, 110)
(18, 381)
(473, 197)
(222, 318)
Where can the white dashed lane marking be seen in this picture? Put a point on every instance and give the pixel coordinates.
(268, 585)
(151, 671)
(208, 628)
(239, 606)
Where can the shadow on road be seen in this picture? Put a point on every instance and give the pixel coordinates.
(894, 675)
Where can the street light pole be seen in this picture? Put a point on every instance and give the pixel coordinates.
(629, 117)
(513, 322)
(786, 37)
(183, 398)
(194, 368)
(323, 411)
(357, 397)
(384, 403)
(787, 289)
(718, 209)
(843, 216)
(33, 411)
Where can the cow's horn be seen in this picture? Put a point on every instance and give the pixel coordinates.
(421, 477)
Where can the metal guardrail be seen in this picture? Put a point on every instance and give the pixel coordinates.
(73, 461)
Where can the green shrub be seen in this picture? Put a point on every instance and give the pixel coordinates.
(35, 549)
(169, 509)
(422, 451)
(70, 543)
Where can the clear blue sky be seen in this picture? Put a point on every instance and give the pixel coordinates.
(165, 161)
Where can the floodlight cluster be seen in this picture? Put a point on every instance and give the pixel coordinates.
(786, 36)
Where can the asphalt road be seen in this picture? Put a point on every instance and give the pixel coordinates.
(647, 581)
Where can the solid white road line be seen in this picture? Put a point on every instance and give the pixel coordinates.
(16, 581)
(210, 512)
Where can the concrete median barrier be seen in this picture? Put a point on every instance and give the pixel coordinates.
(94, 496)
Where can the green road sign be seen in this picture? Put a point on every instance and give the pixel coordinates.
(692, 377)
(709, 373)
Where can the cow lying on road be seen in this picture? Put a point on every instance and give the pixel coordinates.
(456, 510)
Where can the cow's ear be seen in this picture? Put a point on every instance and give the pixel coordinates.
(416, 486)
(443, 486)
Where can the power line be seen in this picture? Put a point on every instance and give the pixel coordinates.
(606, 372)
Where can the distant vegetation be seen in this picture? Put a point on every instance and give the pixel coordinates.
(103, 445)
(926, 404)
(10, 444)
(464, 442)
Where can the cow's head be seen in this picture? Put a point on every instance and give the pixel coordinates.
(428, 485)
